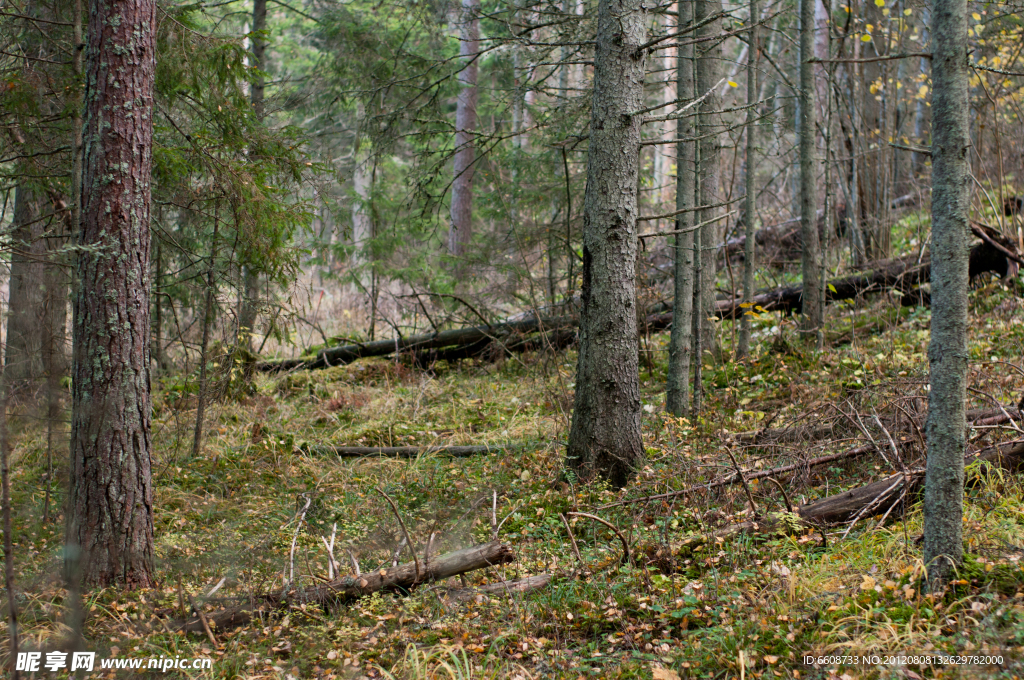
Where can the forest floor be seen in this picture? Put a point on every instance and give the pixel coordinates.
(752, 605)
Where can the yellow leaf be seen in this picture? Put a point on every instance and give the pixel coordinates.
(879, 3)
(907, 12)
(922, 92)
(865, 38)
(976, 16)
(868, 584)
(733, 83)
(664, 674)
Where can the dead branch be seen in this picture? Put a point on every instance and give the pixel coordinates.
(347, 588)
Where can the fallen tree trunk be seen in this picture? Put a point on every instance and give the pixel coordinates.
(817, 432)
(346, 354)
(995, 253)
(903, 274)
(515, 587)
(886, 492)
(402, 451)
(749, 475)
(347, 588)
(876, 498)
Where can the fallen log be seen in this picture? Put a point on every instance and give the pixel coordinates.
(876, 498)
(346, 354)
(515, 587)
(348, 588)
(995, 253)
(736, 478)
(975, 417)
(454, 451)
(903, 274)
(886, 492)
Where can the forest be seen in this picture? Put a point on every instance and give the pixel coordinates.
(525, 339)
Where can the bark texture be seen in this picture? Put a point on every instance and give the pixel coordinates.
(605, 436)
(947, 351)
(743, 347)
(465, 130)
(110, 508)
(681, 342)
(814, 307)
(709, 125)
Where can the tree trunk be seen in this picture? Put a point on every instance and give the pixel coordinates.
(23, 356)
(709, 61)
(681, 341)
(110, 507)
(947, 351)
(249, 310)
(748, 204)
(465, 130)
(814, 307)
(605, 436)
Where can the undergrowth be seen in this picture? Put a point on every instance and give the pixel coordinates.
(746, 606)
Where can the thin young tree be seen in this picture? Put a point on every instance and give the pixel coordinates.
(465, 128)
(248, 313)
(681, 340)
(604, 439)
(708, 55)
(743, 347)
(813, 300)
(947, 351)
(110, 508)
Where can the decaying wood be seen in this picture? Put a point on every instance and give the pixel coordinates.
(347, 588)
(516, 587)
(403, 451)
(817, 432)
(458, 337)
(844, 506)
(903, 274)
(876, 498)
(995, 253)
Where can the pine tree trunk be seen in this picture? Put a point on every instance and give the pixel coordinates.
(681, 341)
(110, 508)
(947, 351)
(709, 66)
(465, 129)
(605, 436)
(813, 304)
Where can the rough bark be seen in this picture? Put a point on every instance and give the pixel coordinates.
(813, 310)
(604, 439)
(110, 508)
(947, 351)
(743, 347)
(708, 54)
(681, 341)
(465, 131)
